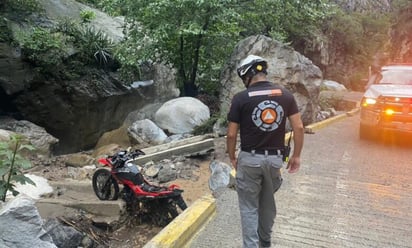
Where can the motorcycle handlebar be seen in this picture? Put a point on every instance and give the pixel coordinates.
(137, 153)
(125, 155)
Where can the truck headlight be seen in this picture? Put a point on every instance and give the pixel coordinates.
(368, 101)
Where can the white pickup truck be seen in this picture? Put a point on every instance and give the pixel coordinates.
(387, 102)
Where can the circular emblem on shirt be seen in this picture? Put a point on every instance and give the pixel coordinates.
(268, 115)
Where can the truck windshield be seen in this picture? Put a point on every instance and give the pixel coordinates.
(396, 77)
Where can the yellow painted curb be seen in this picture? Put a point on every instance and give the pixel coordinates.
(318, 125)
(180, 231)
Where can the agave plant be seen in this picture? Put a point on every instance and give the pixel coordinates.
(95, 44)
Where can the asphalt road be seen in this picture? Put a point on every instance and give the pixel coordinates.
(348, 193)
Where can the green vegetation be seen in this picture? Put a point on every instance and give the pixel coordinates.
(357, 37)
(206, 127)
(197, 37)
(87, 15)
(94, 46)
(21, 6)
(11, 165)
(66, 50)
(44, 49)
(283, 20)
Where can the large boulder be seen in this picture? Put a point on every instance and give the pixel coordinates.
(332, 85)
(71, 9)
(181, 115)
(42, 141)
(146, 132)
(21, 225)
(285, 67)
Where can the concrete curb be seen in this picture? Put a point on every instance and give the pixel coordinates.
(180, 231)
(316, 126)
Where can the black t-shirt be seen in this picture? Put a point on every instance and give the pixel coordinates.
(261, 111)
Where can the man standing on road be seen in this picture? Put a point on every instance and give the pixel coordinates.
(260, 112)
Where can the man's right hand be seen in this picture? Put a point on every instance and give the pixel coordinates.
(293, 165)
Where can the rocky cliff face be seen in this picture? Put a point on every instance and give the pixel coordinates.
(76, 111)
(329, 52)
(364, 5)
(399, 45)
(401, 37)
(79, 111)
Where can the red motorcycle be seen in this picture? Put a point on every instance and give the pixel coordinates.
(142, 198)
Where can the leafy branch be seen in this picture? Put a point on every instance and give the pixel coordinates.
(11, 165)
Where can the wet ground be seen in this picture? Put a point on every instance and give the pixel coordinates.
(349, 193)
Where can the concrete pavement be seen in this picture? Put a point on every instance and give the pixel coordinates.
(349, 193)
(183, 230)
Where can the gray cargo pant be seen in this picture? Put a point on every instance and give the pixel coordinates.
(258, 177)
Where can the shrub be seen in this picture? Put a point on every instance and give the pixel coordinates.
(95, 47)
(44, 49)
(87, 15)
(130, 68)
(206, 127)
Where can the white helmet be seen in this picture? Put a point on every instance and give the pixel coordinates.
(256, 63)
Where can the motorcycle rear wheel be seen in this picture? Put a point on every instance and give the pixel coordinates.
(163, 211)
(105, 186)
(180, 202)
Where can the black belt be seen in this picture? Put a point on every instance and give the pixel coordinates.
(267, 151)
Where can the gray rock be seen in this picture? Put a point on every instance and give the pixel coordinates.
(5, 135)
(21, 225)
(167, 173)
(153, 170)
(57, 9)
(38, 136)
(146, 112)
(181, 115)
(79, 160)
(220, 175)
(146, 132)
(332, 85)
(63, 236)
(177, 137)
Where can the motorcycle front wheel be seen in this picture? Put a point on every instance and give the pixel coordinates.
(105, 186)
